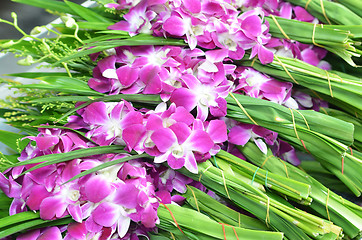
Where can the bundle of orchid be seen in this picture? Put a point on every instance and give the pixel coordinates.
(185, 120)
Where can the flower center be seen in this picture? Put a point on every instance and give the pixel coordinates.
(73, 195)
(177, 151)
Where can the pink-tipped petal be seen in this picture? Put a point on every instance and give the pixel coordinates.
(190, 163)
(261, 145)
(123, 225)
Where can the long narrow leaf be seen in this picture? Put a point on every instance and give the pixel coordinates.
(86, 13)
(105, 165)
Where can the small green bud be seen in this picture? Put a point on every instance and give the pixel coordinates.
(26, 61)
(14, 15)
(69, 22)
(36, 30)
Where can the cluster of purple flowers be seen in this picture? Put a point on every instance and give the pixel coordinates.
(121, 202)
(105, 204)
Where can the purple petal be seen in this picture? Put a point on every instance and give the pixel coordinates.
(261, 145)
(182, 131)
(132, 118)
(309, 56)
(182, 115)
(252, 25)
(96, 113)
(164, 196)
(217, 131)
(31, 235)
(106, 214)
(302, 15)
(239, 135)
(52, 207)
(76, 212)
(133, 134)
(154, 122)
(100, 85)
(216, 55)
(121, 25)
(126, 195)
(149, 76)
(37, 195)
(193, 6)
(77, 230)
(202, 112)
(9, 186)
(107, 63)
(149, 217)
(17, 206)
(97, 188)
(127, 75)
(91, 225)
(190, 163)
(46, 142)
(221, 109)
(178, 199)
(123, 226)
(200, 141)
(175, 26)
(163, 138)
(175, 163)
(51, 233)
(265, 55)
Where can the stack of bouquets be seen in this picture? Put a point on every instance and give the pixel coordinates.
(186, 119)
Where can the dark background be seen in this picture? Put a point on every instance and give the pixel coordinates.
(28, 18)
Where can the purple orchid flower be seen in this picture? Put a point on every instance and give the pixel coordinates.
(178, 143)
(240, 134)
(108, 121)
(44, 234)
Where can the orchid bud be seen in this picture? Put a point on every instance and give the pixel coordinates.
(14, 15)
(69, 22)
(7, 44)
(36, 30)
(26, 61)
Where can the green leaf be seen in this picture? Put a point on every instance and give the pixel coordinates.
(87, 13)
(71, 129)
(105, 165)
(11, 139)
(17, 218)
(201, 224)
(63, 84)
(48, 4)
(132, 41)
(150, 99)
(62, 157)
(37, 75)
(10, 230)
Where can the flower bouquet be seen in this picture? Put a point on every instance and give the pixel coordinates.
(180, 119)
